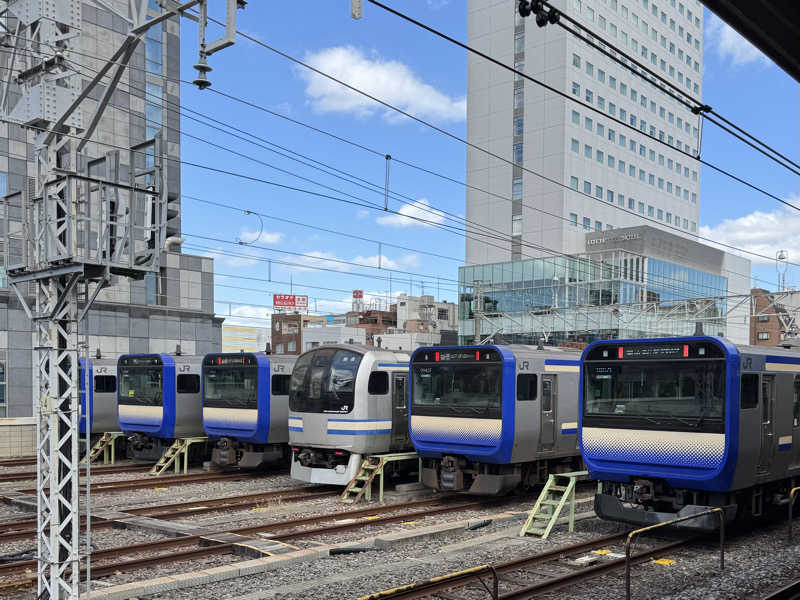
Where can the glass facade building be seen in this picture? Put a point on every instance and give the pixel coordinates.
(608, 294)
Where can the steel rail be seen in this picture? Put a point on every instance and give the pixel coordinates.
(11, 531)
(25, 475)
(131, 484)
(21, 566)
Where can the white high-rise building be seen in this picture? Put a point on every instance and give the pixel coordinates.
(586, 151)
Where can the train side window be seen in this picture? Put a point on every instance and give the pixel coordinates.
(527, 386)
(547, 395)
(280, 385)
(749, 391)
(378, 383)
(796, 402)
(105, 384)
(188, 384)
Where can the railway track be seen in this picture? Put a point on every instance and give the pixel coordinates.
(21, 530)
(18, 462)
(28, 475)
(155, 555)
(528, 576)
(133, 484)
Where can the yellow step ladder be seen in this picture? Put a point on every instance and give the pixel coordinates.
(179, 447)
(105, 446)
(559, 489)
(372, 466)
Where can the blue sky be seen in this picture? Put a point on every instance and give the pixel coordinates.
(427, 77)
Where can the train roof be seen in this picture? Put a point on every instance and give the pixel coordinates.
(789, 352)
(517, 349)
(363, 349)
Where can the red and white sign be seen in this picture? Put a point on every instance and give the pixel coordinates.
(358, 294)
(289, 301)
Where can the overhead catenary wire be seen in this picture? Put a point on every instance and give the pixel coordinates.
(533, 80)
(675, 92)
(553, 252)
(642, 217)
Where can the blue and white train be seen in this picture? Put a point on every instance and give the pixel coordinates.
(673, 426)
(158, 400)
(246, 407)
(346, 401)
(487, 419)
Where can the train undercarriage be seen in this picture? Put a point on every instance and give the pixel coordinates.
(459, 474)
(646, 502)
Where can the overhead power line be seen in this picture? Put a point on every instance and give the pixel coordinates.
(539, 83)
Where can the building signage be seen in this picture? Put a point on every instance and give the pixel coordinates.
(358, 294)
(289, 301)
(614, 238)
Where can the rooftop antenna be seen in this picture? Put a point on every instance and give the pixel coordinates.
(98, 355)
(177, 349)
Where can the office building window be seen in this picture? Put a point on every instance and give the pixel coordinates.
(518, 153)
(631, 204)
(588, 124)
(587, 188)
(600, 156)
(519, 67)
(660, 214)
(693, 227)
(3, 397)
(650, 211)
(686, 223)
(620, 200)
(516, 225)
(587, 223)
(587, 151)
(519, 98)
(573, 219)
(598, 191)
(576, 117)
(575, 145)
(519, 42)
(610, 161)
(576, 89)
(576, 61)
(610, 196)
(641, 208)
(573, 183)
(763, 335)
(518, 125)
(669, 218)
(598, 226)
(516, 188)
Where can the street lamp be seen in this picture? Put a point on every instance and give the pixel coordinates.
(781, 265)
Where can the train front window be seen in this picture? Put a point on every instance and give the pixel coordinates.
(230, 387)
(323, 381)
(664, 394)
(140, 385)
(459, 390)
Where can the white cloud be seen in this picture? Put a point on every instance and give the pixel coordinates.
(437, 4)
(761, 232)
(244, 256)
(410, 215)
(362, 213)
(329, 260)
(730, 45)
(389, 80)
(263, 237)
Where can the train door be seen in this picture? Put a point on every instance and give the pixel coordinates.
(549, 402)
(400, 437)
(767, 422)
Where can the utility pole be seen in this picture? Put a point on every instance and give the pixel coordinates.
(78, 229)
